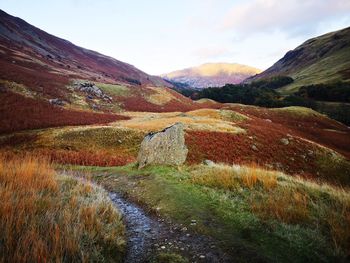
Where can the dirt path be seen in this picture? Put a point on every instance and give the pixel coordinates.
(148, 235)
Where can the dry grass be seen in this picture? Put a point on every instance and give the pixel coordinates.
(288, 207)
(273, 195)
(50, 218)
(225, 115)
(154, 122)
(205, 100)
(233, 177)
(160, 96)
(87, 158)
(339, 225)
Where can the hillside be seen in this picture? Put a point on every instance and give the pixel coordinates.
(25, 46)
(101, 162)
(322, 59)
(70, 85)
(211, 75)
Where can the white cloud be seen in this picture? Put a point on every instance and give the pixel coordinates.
(293, 16)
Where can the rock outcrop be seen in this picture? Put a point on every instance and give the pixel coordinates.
(92, 90)
(165, 147)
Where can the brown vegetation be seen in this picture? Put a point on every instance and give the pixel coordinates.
(21, 113)
(88, 158)
(49, 218)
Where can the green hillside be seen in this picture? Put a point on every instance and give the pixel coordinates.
(322, 59)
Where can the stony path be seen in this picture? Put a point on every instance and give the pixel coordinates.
(148, 235)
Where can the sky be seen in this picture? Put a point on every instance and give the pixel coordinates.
(159, 36)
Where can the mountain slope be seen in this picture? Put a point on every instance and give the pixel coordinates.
(24, 45)
(211, 74)
(54, 73)
(318, 60)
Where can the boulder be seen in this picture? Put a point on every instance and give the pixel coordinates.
(57, 101)
(284, 141)
(209, 163)
(166, 147)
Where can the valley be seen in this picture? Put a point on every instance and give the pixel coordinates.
(102, 162)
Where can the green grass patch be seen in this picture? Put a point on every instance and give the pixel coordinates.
(114, 89)
(298, 111)
(229, 115)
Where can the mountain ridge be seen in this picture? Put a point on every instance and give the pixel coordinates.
(211, 74)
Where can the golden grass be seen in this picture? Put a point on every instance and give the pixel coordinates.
(225, 115)
(289, 207)
(227, 177)
(50, 218)
(157, 121)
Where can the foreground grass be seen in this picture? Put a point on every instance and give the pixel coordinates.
(45, 217)
(254, 214)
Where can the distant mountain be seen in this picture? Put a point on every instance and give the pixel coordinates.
(322, 59)
(211, 75)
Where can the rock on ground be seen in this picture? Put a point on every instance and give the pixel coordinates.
(165, 147)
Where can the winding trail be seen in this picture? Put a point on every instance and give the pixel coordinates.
(148, 235)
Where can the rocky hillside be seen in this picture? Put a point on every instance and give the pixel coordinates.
(211, 75)
(321, 59)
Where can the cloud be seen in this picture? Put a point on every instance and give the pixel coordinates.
(293, 16)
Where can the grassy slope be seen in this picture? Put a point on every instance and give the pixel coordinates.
(254, 214)
(324, 71)
(321, 59)
(45, 217)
